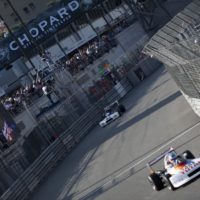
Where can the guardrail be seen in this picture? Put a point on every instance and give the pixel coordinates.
(29, 180)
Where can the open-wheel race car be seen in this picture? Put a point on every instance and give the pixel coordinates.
(178, 170)
(111, 113)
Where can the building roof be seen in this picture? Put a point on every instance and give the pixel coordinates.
(181, 32)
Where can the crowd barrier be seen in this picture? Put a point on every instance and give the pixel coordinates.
(63, 145)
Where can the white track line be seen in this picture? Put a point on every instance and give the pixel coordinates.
(160, 148)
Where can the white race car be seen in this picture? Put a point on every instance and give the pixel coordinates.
(185, 167)
(109, 117)
(112, 112)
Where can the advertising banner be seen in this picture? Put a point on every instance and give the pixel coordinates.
(43, 27)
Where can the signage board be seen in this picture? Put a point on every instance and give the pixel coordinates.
(43, 27)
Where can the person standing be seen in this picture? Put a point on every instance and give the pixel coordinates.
(46, 89)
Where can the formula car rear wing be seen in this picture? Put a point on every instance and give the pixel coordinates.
(158, 158)
(111, 105)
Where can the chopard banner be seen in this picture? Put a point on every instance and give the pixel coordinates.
(43, 27)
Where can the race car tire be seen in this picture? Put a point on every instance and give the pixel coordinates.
(102, 126)
(122, 108)
(168, 182)
(156, 181)
(188, 154)
(120, 114)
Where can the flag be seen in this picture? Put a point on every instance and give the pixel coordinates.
(8, 132)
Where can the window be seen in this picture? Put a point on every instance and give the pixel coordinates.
(5, 4)
(16, 19)
(32, 6)
(81, 22)
(63, 33)
(94, 13)
(49, 42)
(26, 10)
(75, 33)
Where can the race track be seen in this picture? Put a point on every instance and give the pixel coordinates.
(110, 163)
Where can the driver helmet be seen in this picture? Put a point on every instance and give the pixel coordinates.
(172, 156)
(107, 114)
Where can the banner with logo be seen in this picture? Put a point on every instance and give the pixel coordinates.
(43, 27)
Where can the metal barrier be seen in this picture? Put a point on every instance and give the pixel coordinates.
(40, 168)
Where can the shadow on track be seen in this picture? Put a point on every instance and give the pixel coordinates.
(148, 112)
(114, 178)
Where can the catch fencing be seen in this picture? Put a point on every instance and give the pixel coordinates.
(33, 163)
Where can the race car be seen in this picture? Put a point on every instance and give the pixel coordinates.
(178, 170)
(111, 113)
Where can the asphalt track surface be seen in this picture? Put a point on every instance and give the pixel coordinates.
(109, 164)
